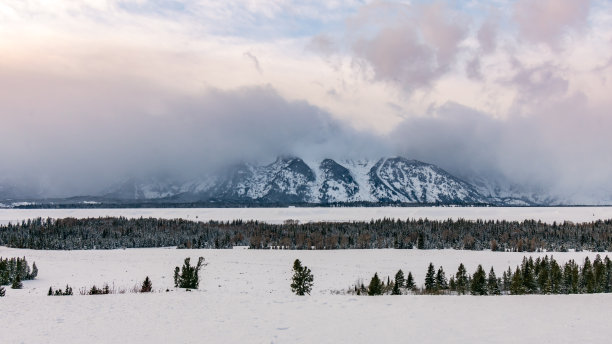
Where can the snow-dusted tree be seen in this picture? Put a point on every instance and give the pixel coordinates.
(302, 280)
(2, 291)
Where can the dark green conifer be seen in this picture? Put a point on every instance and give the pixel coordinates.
(34, 272)
(430, 279)
(492, 283)
(375, 286)
(410, 285)
(17, 282)
(479, 282)
(302, 280)
(399, 283)
(441, 282)
(588, 277)
(147, 286)
(516, 282)
(461, 279)
(452, 285)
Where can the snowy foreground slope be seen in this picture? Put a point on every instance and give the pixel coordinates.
(245, 297)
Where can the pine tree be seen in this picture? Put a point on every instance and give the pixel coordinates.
(398, 283)
(506, 278)
(375, 286)
(302, 280)
(588, 277)
(34, 272)
(4, 276)
(50, 292)
(556, 277)
(571, 278)
(189, 277)
(529, 282)
(430, 279)
(396, 290)
(17, 282)
(441, 282)
(599, 270)
(420, 241)
(147, 286)
(452, 286)
(492, 283)
(461, 279)
(608, 283)
(516, 283)
(176, 276)
(410, 285)
(2, 291)
(479, 282)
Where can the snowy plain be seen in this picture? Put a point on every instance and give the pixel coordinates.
(245, 296)
(278, 215)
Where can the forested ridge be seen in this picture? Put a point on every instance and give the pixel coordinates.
(120, 232)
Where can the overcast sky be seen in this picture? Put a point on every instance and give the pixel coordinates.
(94, 91)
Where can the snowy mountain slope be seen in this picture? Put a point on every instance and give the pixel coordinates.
(290, 180)
(411, 181)
(335, 183)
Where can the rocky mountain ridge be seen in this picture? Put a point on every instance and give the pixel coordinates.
(291, 180)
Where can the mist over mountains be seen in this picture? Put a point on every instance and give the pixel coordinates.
(291, 180)
(514, 102)
(92, 149)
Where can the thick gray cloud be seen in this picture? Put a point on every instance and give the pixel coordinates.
(79, 113)
(68, 136)
(72, 136)
(562, 149)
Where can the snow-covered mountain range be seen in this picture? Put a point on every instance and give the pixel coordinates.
(291, 180)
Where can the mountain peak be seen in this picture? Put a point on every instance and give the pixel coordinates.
(291, 180)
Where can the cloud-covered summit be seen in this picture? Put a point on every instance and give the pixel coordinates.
(516, 92)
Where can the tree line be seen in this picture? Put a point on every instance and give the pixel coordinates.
(539, 276)
(15, 270)
(120, 232)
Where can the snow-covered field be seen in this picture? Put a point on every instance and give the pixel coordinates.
(245, 297)
(278, 215)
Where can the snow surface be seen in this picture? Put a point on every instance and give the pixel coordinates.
(245, 297)
(278, 215)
